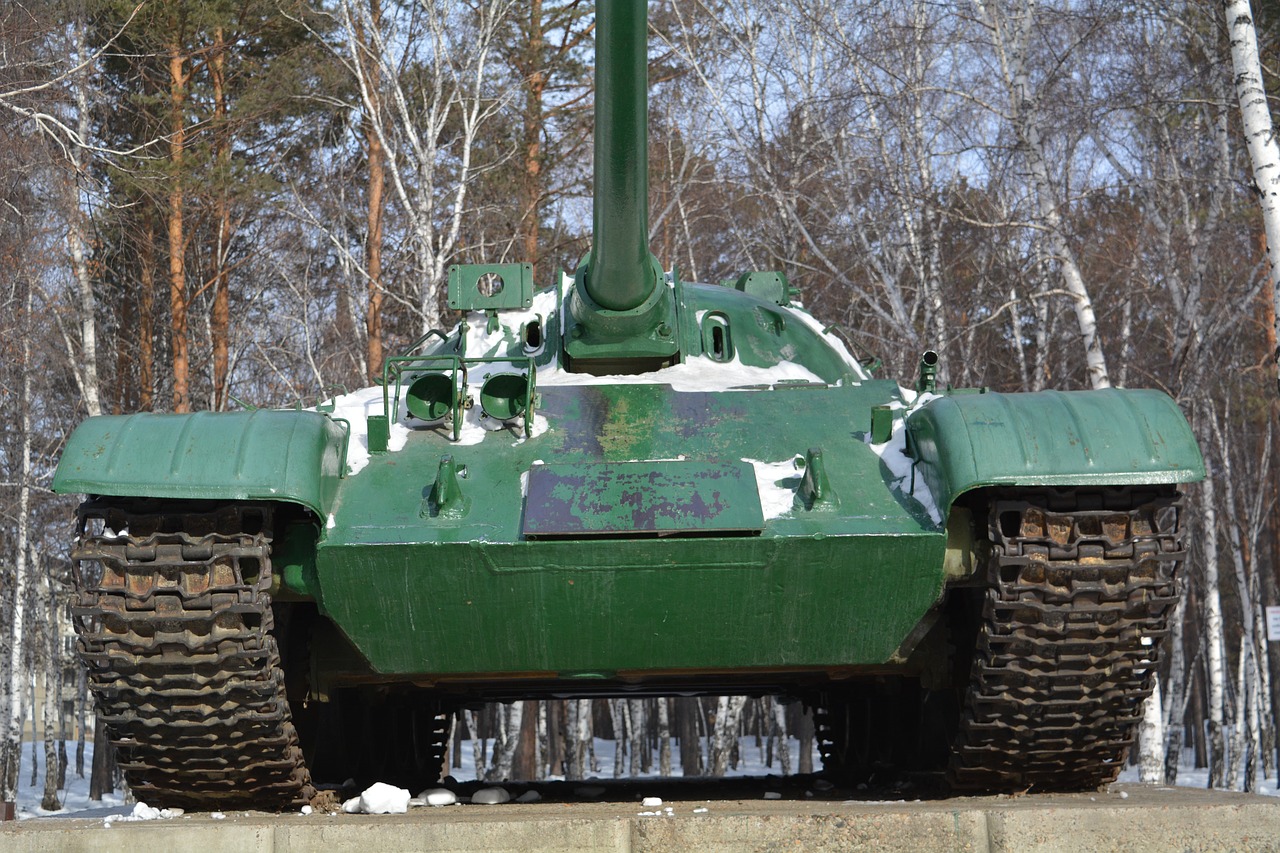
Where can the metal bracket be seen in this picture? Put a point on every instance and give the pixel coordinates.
(490, 287)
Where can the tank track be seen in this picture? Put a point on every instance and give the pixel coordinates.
(1080, 588)
(174, 623)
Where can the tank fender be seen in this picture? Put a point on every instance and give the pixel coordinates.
(263, 454)
(1051, 438)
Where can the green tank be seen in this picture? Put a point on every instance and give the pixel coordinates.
(625, 484)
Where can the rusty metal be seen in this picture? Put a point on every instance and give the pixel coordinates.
(1081, 585)
(174, 622)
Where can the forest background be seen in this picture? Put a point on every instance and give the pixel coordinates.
(205, 205)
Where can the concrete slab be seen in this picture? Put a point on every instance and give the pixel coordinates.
(1134, 819)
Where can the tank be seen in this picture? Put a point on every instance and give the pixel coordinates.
(625, 484)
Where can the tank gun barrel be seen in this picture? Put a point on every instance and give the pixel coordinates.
(619, 276)
(622, 316)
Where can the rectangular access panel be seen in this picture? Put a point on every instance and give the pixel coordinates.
(642, 499)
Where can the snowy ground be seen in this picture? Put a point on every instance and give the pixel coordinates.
(1191, 777)
(76, 800)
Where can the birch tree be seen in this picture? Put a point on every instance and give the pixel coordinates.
(51, 636)
(1255, 115)
(1215, 661)
(725, 738)
(11, 749)
(435, 64)
(85, 366)
(1010, 24)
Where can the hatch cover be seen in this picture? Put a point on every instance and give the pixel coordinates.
(641, 499)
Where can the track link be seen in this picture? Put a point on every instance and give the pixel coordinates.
(174, 624)
(1080, 588)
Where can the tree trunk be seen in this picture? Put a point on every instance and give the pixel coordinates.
(1199, 748)
(220, 316)
(1255, 115)
(664, 737)
(804, 732)
(146, 330)
(178, 344)
(1215, 662)
(617, 718)
(783, 748)
(31, 700)
(86, 371)
(376, 196)
(555, 736)
(52, 692)
(82, 707)
(524, 764)
(511, 720)
(1151, 738)
(535, 81)
(725, 739)
(11, 750)
(687, 713)
(478, 759)
(636, 724)
(103, 773)
(1175, 710)
(1239, 727)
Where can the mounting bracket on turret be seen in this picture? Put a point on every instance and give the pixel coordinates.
(490, 287)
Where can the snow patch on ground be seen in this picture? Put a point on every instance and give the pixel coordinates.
(142, 811)
(435, 797)
(1190, 776)
(491, 796)
(379, 798)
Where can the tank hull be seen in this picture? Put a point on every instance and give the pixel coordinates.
(471, 594)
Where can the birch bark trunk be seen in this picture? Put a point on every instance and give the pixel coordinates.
(82, 709)
(510, 719)
(617, 715)
(1244, 529)
(1255, 115)
(664, 737)
(478, 744)
(11, 750)
(1151, 739)
(728, 713)
(220, 315)
(784, 742)
(1175, 707)
(86, 371)
(52, 690)
(636, 727)
(1215, 660)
